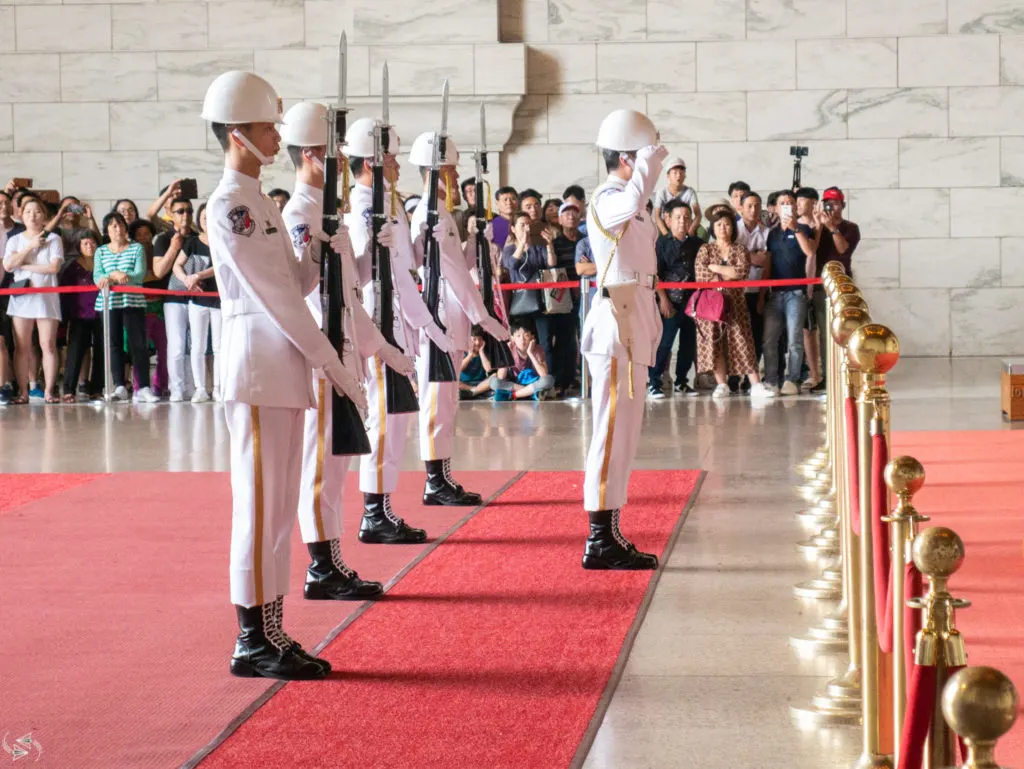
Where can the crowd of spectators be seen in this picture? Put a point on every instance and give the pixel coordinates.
(52, 346)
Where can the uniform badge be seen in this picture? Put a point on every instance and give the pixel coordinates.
(241, 221)
(368, 217)
(300, 235)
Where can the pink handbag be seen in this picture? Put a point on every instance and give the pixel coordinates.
(708, 304)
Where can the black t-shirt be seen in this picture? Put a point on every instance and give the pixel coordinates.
(565, 253)
(676, 260)
(161, 245)
(198, 260)
(788, 259)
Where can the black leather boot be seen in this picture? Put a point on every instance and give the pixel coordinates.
(329, 578)
(296, 646)
(262, 650)
(608, 549)
(441, 488)
(380, 526)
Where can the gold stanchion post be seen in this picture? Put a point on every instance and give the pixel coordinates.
(938, 553)
(980, 704)
(875, 350)
(904, 477)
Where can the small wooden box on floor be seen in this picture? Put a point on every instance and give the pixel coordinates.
(1013, 390)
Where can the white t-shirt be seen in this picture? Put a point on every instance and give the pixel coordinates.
(754, 240)
(687, 194)
(35, 305)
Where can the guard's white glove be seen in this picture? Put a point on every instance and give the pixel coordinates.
(438, 337)
(386, 236)
(440, 231)
(340, 241)
(346, 384)
(489, 233)
(396, 360)
(657, 153)
(494, 328)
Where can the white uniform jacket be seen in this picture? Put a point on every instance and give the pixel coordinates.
(304, 216)
(615, 203)
(411, 313)
(461, 304)
(269, 342)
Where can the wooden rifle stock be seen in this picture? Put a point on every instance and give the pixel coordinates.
(347, 429)
(497, 352)
(401, 399)
(440, 367)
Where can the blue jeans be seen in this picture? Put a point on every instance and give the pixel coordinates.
(682, 324)
(789, 307)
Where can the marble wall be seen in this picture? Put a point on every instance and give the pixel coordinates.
(912, 106)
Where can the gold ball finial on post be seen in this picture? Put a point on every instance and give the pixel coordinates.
(938, 553)
(904, 476)
(849, 316)
(980, 704)
(874, 349)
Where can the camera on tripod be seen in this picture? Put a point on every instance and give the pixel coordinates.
(798, 153)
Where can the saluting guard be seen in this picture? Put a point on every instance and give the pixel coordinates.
(269, 346)
(323, 473)
(459, 306)
(391, 277)
(622, 330)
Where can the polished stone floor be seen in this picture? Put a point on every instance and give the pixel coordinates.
(711, 675)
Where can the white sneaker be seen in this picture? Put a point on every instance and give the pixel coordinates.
(176, 397)
(200, 396)
(146, 395)
(761, 390)
(119, 394)
(216, 394)
(722, 391)
(790, 388)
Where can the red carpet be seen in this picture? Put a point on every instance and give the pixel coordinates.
(975, 486)
(116, 625)
(494, 652)
(20, 489)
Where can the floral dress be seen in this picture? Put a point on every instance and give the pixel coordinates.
(735, 336)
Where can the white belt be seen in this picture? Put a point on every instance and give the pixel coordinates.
(617, 277)
(245, 306)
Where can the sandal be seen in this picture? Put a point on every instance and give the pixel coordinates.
(19, 400)
(69, 398)
(51, 398)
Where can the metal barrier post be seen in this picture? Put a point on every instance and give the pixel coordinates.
(584, 309)
(108, 380)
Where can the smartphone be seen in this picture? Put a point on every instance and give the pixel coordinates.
(26, 183)
(786, 211)
(189, 189)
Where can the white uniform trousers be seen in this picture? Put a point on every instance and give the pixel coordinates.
(323, 473)
(439, 402)
(265, 468)
(378, 470)
(616, 430)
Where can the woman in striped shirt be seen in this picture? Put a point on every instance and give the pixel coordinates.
(121, 262)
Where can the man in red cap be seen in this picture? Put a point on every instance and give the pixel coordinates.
(839, 239)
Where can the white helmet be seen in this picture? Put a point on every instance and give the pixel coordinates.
(237, 97)
(359, 139)
(305, 125)
(422, 152)
(626, 130)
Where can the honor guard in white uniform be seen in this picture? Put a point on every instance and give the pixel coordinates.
(378, 470)
(622, 330)
(269, 346)
(461, 306)
(304, 134)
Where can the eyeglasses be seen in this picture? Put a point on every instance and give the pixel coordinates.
(181, 211)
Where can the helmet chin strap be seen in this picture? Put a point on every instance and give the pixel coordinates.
(264, 160)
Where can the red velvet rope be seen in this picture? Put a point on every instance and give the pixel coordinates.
(918, 718)
(852, 464)
(503, 287)
(880, 531)
(914, 585)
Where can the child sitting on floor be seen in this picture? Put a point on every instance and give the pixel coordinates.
(528, 376)
(473, 381)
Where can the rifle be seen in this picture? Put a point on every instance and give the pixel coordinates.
(440, 367)
(400, 396)
(348, 431)
(497, 352)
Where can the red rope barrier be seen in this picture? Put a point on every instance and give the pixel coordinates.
(880, 535)
(852, 464)
(918, 718)
(502, 286)
(914, 584)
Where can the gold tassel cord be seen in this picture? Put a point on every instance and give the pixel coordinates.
(344, 185)
(490, 211)
(394, 200)
(449, 199)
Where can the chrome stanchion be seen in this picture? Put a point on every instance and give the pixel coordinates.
(108, 380)
(584, 309)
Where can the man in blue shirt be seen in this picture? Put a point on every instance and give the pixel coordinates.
(791, 253)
